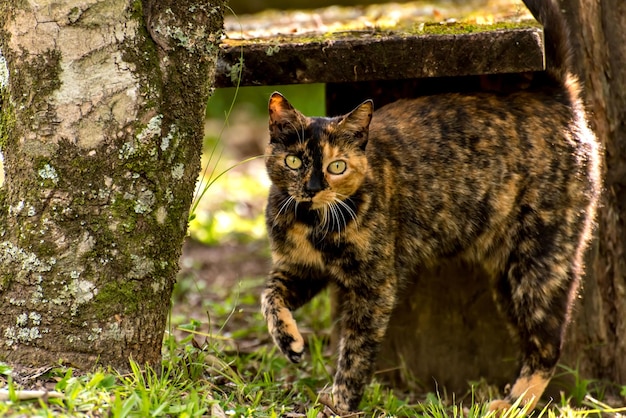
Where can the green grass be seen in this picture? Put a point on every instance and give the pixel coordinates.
(207, 374)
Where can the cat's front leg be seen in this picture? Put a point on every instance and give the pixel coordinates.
(364, 320)
(284, 293)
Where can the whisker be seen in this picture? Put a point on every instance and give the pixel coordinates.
(283, 208)
(298, 130)
(333, 215)
(324, 224)
(331, 211)
(294, 128)
(350, 211)
(343, 218)
(285, 204)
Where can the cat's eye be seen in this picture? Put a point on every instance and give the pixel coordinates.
(337, 167)
(293, 162)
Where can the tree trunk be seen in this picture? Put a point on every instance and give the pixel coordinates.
(101, 128)
(597, 343)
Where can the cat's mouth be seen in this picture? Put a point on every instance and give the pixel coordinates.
(312, 203)
(322, 200)
(318, 206)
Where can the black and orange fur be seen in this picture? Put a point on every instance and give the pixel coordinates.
(508, 180)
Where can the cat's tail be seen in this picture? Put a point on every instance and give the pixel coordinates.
(556, 38)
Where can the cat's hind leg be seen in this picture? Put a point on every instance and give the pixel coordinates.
(538, 288)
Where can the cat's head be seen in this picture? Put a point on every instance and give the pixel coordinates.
(317, 160)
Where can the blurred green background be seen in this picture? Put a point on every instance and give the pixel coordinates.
(308, 98)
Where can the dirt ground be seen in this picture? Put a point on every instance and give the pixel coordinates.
(223, 266)
(218, 288)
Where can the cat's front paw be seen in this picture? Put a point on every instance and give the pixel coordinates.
(295, 350)
(499, 405)
(284, 332)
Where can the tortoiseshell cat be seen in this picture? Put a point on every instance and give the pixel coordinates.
(361, 200)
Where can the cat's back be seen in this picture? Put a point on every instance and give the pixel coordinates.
(466, 165)
(473, 119)
(468, 135)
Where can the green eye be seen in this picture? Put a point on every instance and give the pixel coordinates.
(293, 162)
(337, 167)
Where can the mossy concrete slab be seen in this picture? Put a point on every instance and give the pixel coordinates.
(412, 42)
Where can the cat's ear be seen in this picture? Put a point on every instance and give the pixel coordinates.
(358, 121)
(282, 114)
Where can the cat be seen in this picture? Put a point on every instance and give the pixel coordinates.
(510, 180)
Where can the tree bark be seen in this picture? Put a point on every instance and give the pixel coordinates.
(597, 343)
(101, 128)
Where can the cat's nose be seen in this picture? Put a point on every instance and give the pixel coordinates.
(314, 185)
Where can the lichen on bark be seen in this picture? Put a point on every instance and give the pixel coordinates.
(101, 162)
